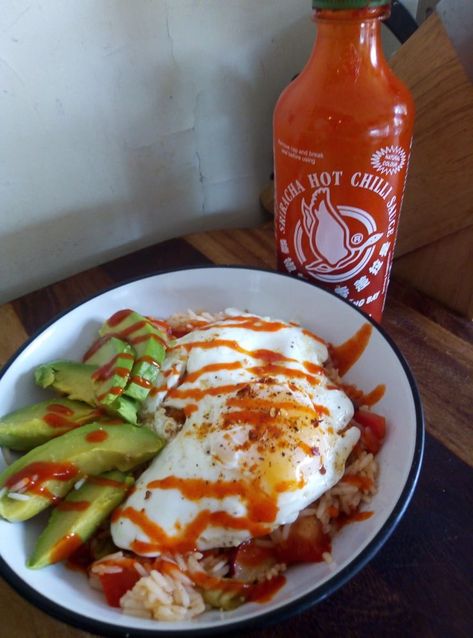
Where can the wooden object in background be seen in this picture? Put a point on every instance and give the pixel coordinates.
(435, 241)
(439, 192)
(443, 270)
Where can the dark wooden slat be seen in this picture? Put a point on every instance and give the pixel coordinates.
(248, 247)
(403, 292)
(12, 333)
(174, 253)
(39, 307)
(443, 367)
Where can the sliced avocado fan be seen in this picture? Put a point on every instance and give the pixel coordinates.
(115, 359)
(36, 424)
(77, 381)
(149, 343)
(43, 476)
(78, 516)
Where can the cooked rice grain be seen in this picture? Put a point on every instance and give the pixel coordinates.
(164, 596)
(16, 496)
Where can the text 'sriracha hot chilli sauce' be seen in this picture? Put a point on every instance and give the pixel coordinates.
(342, 137)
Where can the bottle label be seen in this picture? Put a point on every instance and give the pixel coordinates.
(338, 225)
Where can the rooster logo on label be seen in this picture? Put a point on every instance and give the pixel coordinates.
(341, 238)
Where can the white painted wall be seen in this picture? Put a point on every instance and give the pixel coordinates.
(124, 122)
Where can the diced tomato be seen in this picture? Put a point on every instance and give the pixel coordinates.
(333, 511)
(373, 429)
(250, 560)
(306, 542)
(115, 585)
(177, 333)
(371, 420)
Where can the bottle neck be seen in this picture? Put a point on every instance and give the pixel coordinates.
(349, 41)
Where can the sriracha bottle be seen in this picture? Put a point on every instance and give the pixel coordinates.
(342, 137)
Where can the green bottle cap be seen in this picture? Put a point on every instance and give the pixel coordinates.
(333, 5)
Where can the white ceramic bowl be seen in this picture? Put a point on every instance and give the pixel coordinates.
(66, 594)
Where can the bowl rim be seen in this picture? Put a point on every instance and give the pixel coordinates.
(335, 582)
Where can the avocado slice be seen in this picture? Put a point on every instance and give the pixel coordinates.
(33, 425)
(149, 342)
(45, 475)
(78, 516)
(76, 380)
(125, 408)
(115, 359)
(224, 599)
(70, 378)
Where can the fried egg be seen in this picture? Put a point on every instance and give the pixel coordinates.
(263, 433)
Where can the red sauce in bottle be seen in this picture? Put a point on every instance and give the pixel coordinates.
(342, 138)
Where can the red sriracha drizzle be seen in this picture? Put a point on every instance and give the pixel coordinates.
(65, 546)
(58, 416)
(118, 317)
(73, 506)
(39, 473)
(97, 436)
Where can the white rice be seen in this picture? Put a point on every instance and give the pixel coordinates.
(216, 565)
(103, 565)
(140, 569)
(162, 424)
(16, 496)
(164, 596)
(107, 569)
(78, 484)
(272, 572)
(309, 511)
(21, 485)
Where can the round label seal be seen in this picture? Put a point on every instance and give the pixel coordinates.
(389, 160)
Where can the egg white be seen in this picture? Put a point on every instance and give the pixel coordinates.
(293, 455)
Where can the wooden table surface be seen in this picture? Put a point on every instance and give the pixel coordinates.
(420, 584)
